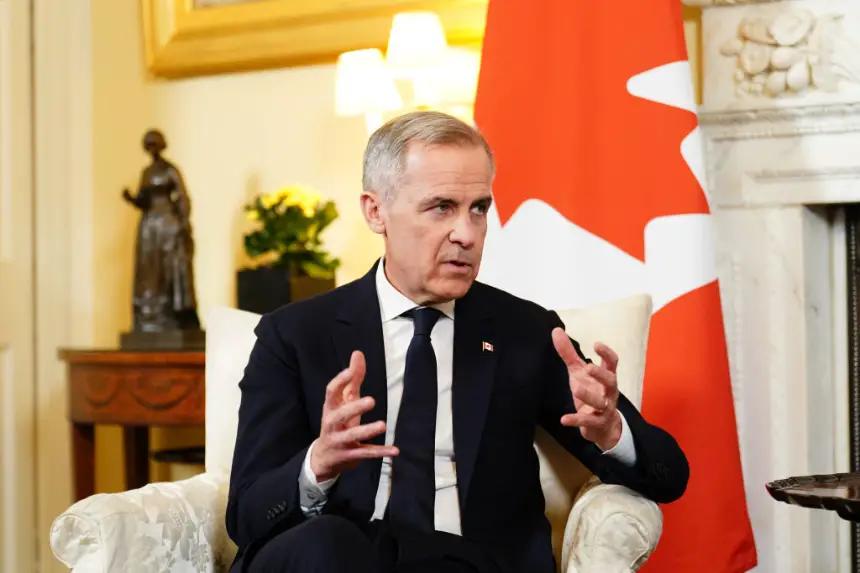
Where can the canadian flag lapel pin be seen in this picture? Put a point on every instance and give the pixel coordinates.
(486, 346)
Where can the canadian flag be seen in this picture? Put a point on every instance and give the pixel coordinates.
(600, 194)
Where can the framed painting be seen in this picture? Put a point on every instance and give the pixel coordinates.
(198, 37)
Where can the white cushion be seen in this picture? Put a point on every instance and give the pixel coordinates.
(229, 340)
(622, 325)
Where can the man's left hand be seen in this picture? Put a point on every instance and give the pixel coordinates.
(595, 392)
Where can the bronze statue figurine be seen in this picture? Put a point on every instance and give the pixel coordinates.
(163, 300)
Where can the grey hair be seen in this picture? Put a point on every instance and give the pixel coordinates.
(385, 155)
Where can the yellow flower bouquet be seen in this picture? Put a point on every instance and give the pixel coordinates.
(288, 224)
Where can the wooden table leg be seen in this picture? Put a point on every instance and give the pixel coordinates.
(83, 459)
(136, 456)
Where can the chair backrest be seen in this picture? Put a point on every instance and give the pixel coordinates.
(229, 340)
(622, 325)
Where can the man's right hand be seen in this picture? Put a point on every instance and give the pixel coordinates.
(340, 446)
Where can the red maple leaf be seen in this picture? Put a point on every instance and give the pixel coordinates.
(554, 105)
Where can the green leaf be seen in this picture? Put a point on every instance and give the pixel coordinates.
(292, 237)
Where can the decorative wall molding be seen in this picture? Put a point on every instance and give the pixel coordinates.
(801, 188)
(780, 122)
(5, 135)
(779, 131)
(840, 111)
(19, 534)
(806, 175)
(63, 86)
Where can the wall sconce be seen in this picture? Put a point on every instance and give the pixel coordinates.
(451, 84)
(418, 56)
(364, 86)
(416, 41)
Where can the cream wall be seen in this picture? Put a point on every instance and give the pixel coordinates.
(232, 136)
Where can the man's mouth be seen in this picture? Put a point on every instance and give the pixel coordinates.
(460, 268)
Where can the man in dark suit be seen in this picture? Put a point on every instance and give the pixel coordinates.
(388, 425)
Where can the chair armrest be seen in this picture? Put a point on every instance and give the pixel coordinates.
(611, 529)
(159, 527)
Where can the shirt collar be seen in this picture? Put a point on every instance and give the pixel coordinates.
(393, 303)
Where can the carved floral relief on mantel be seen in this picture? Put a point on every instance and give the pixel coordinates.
(781, 51)
(791, 51)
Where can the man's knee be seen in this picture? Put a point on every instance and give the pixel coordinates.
(326, 543)
(332, 532)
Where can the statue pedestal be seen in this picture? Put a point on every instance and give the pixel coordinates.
(168, 340)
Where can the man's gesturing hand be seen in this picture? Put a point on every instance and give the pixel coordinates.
(340, 446)
(595, 392)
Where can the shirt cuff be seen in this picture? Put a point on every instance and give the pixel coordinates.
(313, 495)
(625, 450)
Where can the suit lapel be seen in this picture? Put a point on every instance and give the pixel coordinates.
(358, 327)
(474, 371)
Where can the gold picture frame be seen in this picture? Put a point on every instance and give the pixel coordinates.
(188, 38)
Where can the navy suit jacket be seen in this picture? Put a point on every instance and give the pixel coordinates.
(499, 398)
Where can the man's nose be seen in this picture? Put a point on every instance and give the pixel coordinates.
(464, 232)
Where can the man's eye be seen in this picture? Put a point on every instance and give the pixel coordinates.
(481, 209)
(443, 207)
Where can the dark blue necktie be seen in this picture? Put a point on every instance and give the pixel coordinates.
(413, 487)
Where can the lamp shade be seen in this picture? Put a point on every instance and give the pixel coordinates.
(363, 84)
(452, 81)
(416, 40)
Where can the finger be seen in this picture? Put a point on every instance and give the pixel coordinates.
(565, 349)
(334, 389)
(590, 392)
(585, 418)
(581, 420)
(346, 412)
(360, 433)
(608, 357)
(602, 376)
(367, 451)
(358, 368)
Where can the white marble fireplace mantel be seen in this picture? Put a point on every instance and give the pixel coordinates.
(780, 162)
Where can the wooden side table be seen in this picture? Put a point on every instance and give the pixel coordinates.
(136, 390)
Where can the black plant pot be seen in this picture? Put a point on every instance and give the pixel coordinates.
(267, 288)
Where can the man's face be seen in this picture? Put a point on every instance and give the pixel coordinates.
(436, 221)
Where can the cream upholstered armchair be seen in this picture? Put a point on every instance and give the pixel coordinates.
(180, 526)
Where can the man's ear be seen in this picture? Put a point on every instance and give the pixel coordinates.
(371, 207)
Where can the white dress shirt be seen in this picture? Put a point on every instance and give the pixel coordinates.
(397, 333)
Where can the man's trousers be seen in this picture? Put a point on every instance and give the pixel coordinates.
(332, 544)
